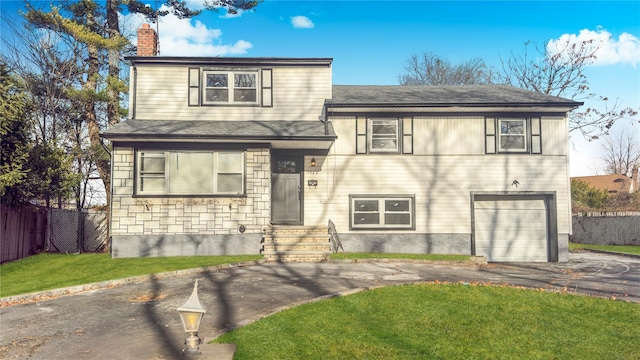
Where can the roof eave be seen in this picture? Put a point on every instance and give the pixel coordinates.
(570, 105)
(235, 138)
(181, 60)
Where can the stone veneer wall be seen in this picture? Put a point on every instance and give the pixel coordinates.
(174, 220)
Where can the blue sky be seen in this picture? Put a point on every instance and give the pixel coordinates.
(370, 41)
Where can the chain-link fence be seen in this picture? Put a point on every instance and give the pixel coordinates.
(65, 236)
(621, 228)
(95, 230)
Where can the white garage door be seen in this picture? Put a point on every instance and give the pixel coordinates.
(509, 229)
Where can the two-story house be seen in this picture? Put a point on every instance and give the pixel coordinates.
(219, 154)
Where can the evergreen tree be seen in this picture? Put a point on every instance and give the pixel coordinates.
(14, 137)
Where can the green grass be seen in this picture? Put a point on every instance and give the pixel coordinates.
(435, 321)
(435, 257)
(51, 271)
(614, 248)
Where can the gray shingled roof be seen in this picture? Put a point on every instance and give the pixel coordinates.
(484, 95)
(259, 130)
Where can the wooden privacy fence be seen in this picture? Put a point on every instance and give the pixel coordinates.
(22, 231)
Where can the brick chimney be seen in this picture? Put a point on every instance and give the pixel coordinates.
(147, 41)
(635, 181)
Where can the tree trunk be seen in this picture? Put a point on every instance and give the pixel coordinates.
(91, 86)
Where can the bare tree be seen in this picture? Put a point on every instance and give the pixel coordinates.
(431, 69)
(621, 153)
(559, 70)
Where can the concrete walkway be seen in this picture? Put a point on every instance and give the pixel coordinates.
(140, 321)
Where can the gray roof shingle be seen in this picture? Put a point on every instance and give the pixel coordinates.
(441, 95)
(263, 130)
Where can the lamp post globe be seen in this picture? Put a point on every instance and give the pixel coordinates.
(191, 313)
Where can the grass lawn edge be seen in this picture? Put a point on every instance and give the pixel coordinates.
(75, 289)
(70, 290)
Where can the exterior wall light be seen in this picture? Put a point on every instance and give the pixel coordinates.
(313, 161)
(191, 314)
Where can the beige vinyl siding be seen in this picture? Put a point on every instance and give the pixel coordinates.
(431, 135)
(441, 184)
(448, 135)
(455, 135)
(554, 135)
(345, 128)
(298, 94)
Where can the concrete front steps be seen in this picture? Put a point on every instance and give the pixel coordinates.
(284, 243)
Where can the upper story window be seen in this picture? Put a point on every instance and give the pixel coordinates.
(513, 135)
(230, 87)
(384, 135)
(190, 172)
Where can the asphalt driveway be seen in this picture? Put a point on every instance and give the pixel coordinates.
(140, 321)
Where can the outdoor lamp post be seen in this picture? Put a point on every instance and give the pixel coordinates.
(191, 314)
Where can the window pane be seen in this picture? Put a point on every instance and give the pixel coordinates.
(397, 219)
(512, 127)
(508, 142)
(217, 95)
(389, 144)
(396, 205)
(151, 184)
(152, 163)
(244, 80)
(191, 173)
(365, 205)
(230, 183)
(366, 219)
(217, 80)
(230, 162)
(244, 95)
(388, 127)
(286, 166)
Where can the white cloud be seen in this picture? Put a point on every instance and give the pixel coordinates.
(189, 37)
(623, 50)
(302, 22)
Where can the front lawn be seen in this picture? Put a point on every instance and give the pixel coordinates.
(445, 321)
(613, 248)
(50, 271)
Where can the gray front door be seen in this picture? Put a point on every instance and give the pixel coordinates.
(286, 192)
(285, 203)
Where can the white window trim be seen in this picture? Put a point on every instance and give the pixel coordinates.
(524, 135)
(371, 136)
(381, 212)
(230, 87)
(167, 175)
